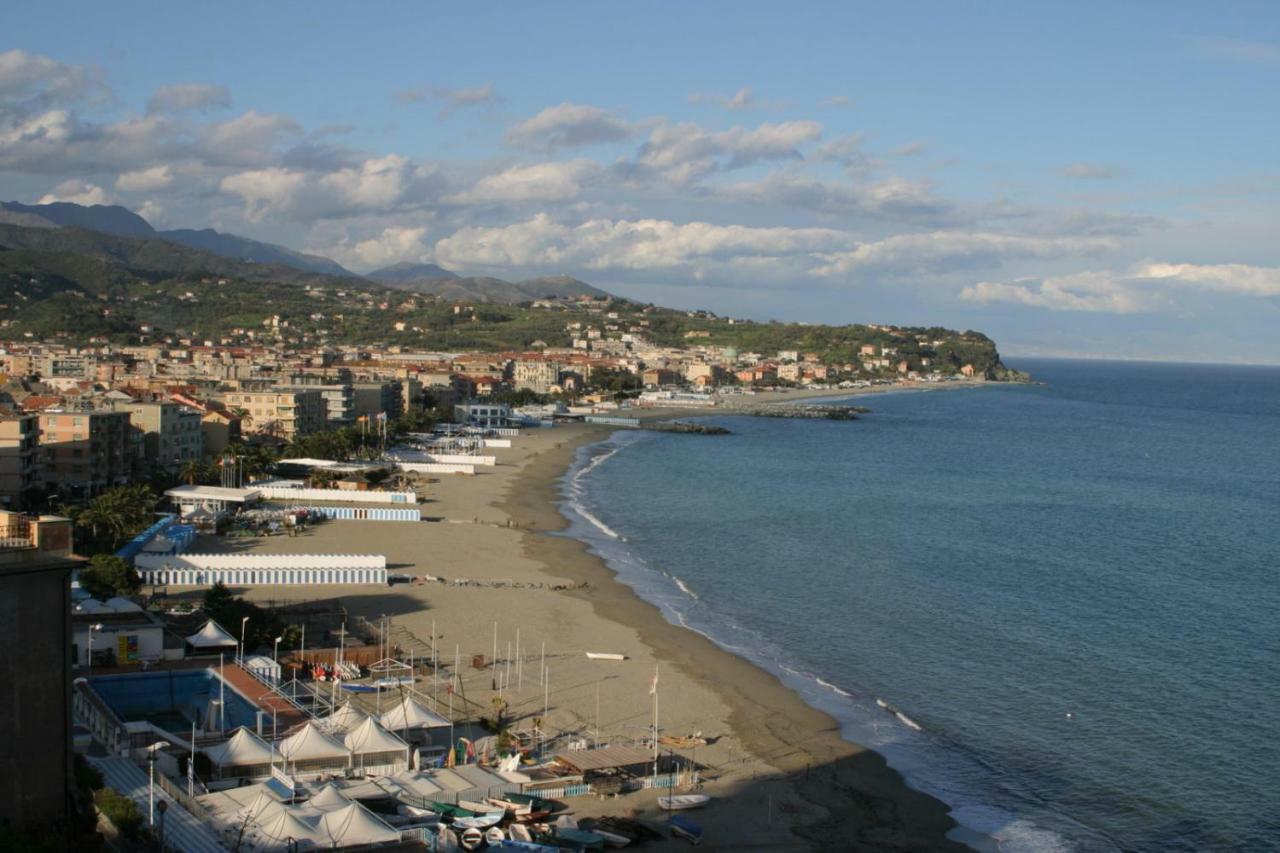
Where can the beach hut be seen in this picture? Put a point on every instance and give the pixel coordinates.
(242, 756)
(211, 639)
(309, 750)
(354, 825)
(412, 714)
(375, 750)
(345, 718)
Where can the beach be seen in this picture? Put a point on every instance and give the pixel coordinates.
(780, 774)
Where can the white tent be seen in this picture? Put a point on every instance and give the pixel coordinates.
(211, 636)
(263, 808)
(369, 737)
(280, 831)
(411, 714)
(242, 749)
(329, 798)
(310, 744)
(355, 825)
(346, 717)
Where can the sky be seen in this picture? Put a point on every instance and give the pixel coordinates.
(1074, 179)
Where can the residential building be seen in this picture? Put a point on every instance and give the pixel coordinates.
(84, 452)
(485, 415)
(168, 435)
(35, 608)
(285, 413)
(536, 375)
(374, 397)
(19, 460)
(339, 397)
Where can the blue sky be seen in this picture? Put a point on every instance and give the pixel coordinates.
(1078, 179)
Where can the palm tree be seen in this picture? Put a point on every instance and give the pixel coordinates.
(194, 472)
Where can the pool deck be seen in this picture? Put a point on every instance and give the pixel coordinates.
(286, 715)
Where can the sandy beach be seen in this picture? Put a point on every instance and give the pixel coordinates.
(781, 776)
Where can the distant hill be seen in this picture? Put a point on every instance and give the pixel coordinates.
(406, 271)
(122, 222)
(231, 246)
(109, 219)
(438, 281)
(116, 258)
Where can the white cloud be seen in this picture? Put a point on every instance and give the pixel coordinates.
(77, 192)
(569, 126)
(145, 180)
(541, 182)
(264, 190)
(30, 77)
(743, 99)
(890, 198)
(682, 153)
(949, 250)
(453, 99)
(646, 244)
(188, 96)
(1141, 288)
(389, 246)
(250, 137)
(1086, 171)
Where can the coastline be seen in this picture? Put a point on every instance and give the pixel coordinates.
(782, 775)
(798, 748)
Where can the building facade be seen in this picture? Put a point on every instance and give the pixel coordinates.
(19, 458)
(285, 413)
(168, 435)
(84, 452)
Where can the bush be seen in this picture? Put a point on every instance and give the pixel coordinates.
(108, 575)
(121, 811)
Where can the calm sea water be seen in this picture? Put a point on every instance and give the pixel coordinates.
(1055, 607)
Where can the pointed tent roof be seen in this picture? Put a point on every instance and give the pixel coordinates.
(309, 742)
(346, 717)
(211, 636)
(263, 807)
(355, 824)
(369, 737)
(329, 798)
(286, 826)
(411, 714)
(242, 748)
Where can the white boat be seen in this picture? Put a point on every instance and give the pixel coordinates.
(611, 839)
(605, 656)
(494, 836)
(471, 839)
(677, 802)
(480, 821)
(519, 832)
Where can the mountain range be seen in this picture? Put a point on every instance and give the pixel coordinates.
(117, 236)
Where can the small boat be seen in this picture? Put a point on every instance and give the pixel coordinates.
(494, 836)
(682, 827)
(391, 682)
(577, 839)
(530, 846)
(534, 802)
(480, 821)
(611, 839)
(471, 838)
(683, 741)
(683, 801)
(519, 832)
(605, 656)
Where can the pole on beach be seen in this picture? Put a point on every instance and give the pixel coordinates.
(546, 704)
(542, 672)
(507, 682)
(519, 664)
(597, 740)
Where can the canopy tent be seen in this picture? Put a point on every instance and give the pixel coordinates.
(369, 737)
(263, 808)
(310, 744)
(354, 825)
(242, 749)
(211, 636)
(411, 714)
(329, 798)
(346, 717)
(284, 830)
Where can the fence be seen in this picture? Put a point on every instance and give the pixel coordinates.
(435, 468)
(16, 533)
(612, 421)
(241, 569)
(365, 513)
(294, 490)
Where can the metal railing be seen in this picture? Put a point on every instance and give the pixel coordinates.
(17, 533)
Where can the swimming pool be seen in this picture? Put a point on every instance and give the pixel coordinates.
(172, 700)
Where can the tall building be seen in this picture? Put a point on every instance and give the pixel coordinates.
(84, 452)
(281, 412)
(19, 459)
(536, 375)
(35, 608)
(339, 398)
(374, 397)
(170, 433)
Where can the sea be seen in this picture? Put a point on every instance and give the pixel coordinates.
(1054, 606)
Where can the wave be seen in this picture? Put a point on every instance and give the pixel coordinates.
(832, 687)
(683, 588)
(595, 522)
(595, 463)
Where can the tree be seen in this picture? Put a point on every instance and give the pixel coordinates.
(194, 472)
(376, 476)
(108, 575)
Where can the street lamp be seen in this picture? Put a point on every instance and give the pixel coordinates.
(275, 652)
(151, 785)
(240, 651)
(96, 626)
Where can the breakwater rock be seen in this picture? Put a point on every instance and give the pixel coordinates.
(686, 427)
(813, 412)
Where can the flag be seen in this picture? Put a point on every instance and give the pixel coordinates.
(653, 685)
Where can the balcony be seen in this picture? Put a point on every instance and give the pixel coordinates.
(15, 532)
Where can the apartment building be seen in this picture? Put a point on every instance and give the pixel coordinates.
(166, 435)
(285, 413)
(19, 460)
(536, 375)
(374, 397)
(339, 397)
(84, 452)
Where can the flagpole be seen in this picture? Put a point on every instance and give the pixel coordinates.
(655, 719)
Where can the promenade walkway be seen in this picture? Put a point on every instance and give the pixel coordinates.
(286, 713)
(182, 831)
